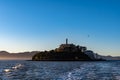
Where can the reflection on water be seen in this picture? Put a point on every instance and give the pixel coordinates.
(29, 70)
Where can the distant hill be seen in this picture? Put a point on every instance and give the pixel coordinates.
(111, 57)
(4, 55)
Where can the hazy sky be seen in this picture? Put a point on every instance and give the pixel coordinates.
(27, 25)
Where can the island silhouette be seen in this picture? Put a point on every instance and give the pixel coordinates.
(66, 52)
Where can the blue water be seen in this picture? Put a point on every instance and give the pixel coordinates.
(35, 70)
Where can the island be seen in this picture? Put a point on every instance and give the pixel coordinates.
(66, 52)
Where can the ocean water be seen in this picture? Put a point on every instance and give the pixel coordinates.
(43, 70)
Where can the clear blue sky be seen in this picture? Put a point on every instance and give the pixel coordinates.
(27, 25)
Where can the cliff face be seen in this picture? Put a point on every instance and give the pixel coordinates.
(60, 56)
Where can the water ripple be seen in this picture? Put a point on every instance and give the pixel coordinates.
(29, 70)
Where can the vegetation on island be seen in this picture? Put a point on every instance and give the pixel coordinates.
(60, 56)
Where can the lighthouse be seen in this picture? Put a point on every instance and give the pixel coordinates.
(66, 41)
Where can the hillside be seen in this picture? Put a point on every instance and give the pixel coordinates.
(4, 55)
(60, 56)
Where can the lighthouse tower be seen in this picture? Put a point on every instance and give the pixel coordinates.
(66, 41)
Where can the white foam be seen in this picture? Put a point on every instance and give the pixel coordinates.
(7, 70)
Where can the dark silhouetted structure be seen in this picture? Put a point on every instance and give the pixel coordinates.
(65, 52)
